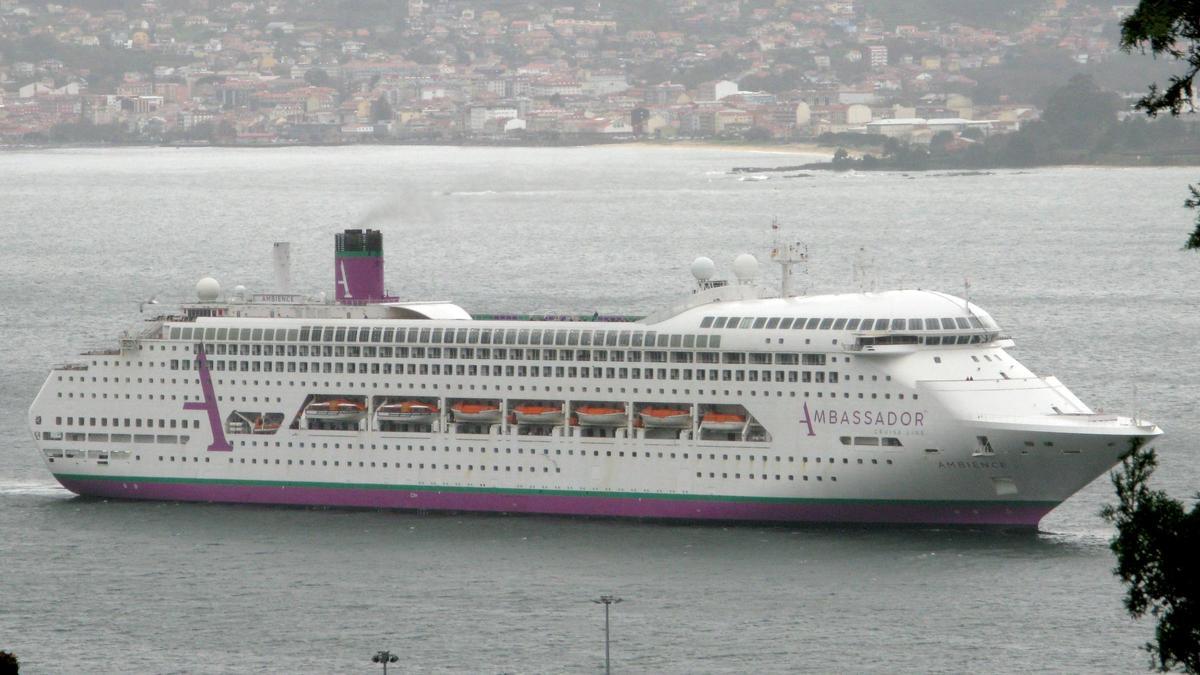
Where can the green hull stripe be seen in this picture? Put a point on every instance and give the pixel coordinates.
(555, 493)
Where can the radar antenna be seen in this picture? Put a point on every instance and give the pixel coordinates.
(787, 256)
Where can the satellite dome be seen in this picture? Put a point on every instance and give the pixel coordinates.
(208, 290)
(703, 268)
(745, 267)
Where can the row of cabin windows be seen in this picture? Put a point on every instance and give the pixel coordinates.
(126, 422)
(469, 336)
(793, 323)
(515, 354)
(726, 375)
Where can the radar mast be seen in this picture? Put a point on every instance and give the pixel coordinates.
(788, 255)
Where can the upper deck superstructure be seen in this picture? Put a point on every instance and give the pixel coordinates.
(899, 406)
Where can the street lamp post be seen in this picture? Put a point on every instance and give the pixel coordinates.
(606, 600)
(385, 658)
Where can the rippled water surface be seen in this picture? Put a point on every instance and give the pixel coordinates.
(1081, 265)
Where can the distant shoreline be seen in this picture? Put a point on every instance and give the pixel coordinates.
(819, 157)
(811, 149)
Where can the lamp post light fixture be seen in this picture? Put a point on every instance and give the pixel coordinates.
(606, 600)
(385, 658)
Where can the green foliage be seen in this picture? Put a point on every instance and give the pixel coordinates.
(1155, 549)
(317, 77)
(1079, 113)
(104, 65)
(1170, 27)
(1008, 14)
(381, 110)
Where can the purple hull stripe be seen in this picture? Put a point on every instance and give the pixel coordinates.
(698, 508)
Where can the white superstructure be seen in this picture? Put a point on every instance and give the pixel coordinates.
(897, 406)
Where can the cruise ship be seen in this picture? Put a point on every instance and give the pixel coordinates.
(735, 403)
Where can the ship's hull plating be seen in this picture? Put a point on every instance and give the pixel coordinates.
(599, 504)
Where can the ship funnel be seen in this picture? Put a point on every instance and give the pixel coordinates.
(358, 266)
(281, 256)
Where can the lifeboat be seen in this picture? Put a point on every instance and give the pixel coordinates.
(407, 412)
(476, 412)
(538, 414)
(715, 421)
(665, 418)
(597, 416)
(337, 410)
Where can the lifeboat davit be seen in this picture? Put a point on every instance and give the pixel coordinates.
(666, 418)
(600, 416)
(715, 421)
(337, 410)
(476, 412)
(538, 414)
(407, 412)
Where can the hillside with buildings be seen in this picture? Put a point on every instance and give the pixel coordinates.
(438, 71)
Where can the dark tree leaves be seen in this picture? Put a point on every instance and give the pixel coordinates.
(1170, 27)
(1155, 548)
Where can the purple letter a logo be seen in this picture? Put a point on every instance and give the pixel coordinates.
(807, 420)
(219, 443)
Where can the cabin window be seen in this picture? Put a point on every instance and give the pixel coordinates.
(786, 323)
(852, 324)
(948, 324)
(773, 323)
(962, 322)
(839, 324)
(706, 322)
(746, 322)
(812, 324)
(760, 322)
(799, 324)
(826, 324)
(931, 324)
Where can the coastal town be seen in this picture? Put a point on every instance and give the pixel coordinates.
(274, 72)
